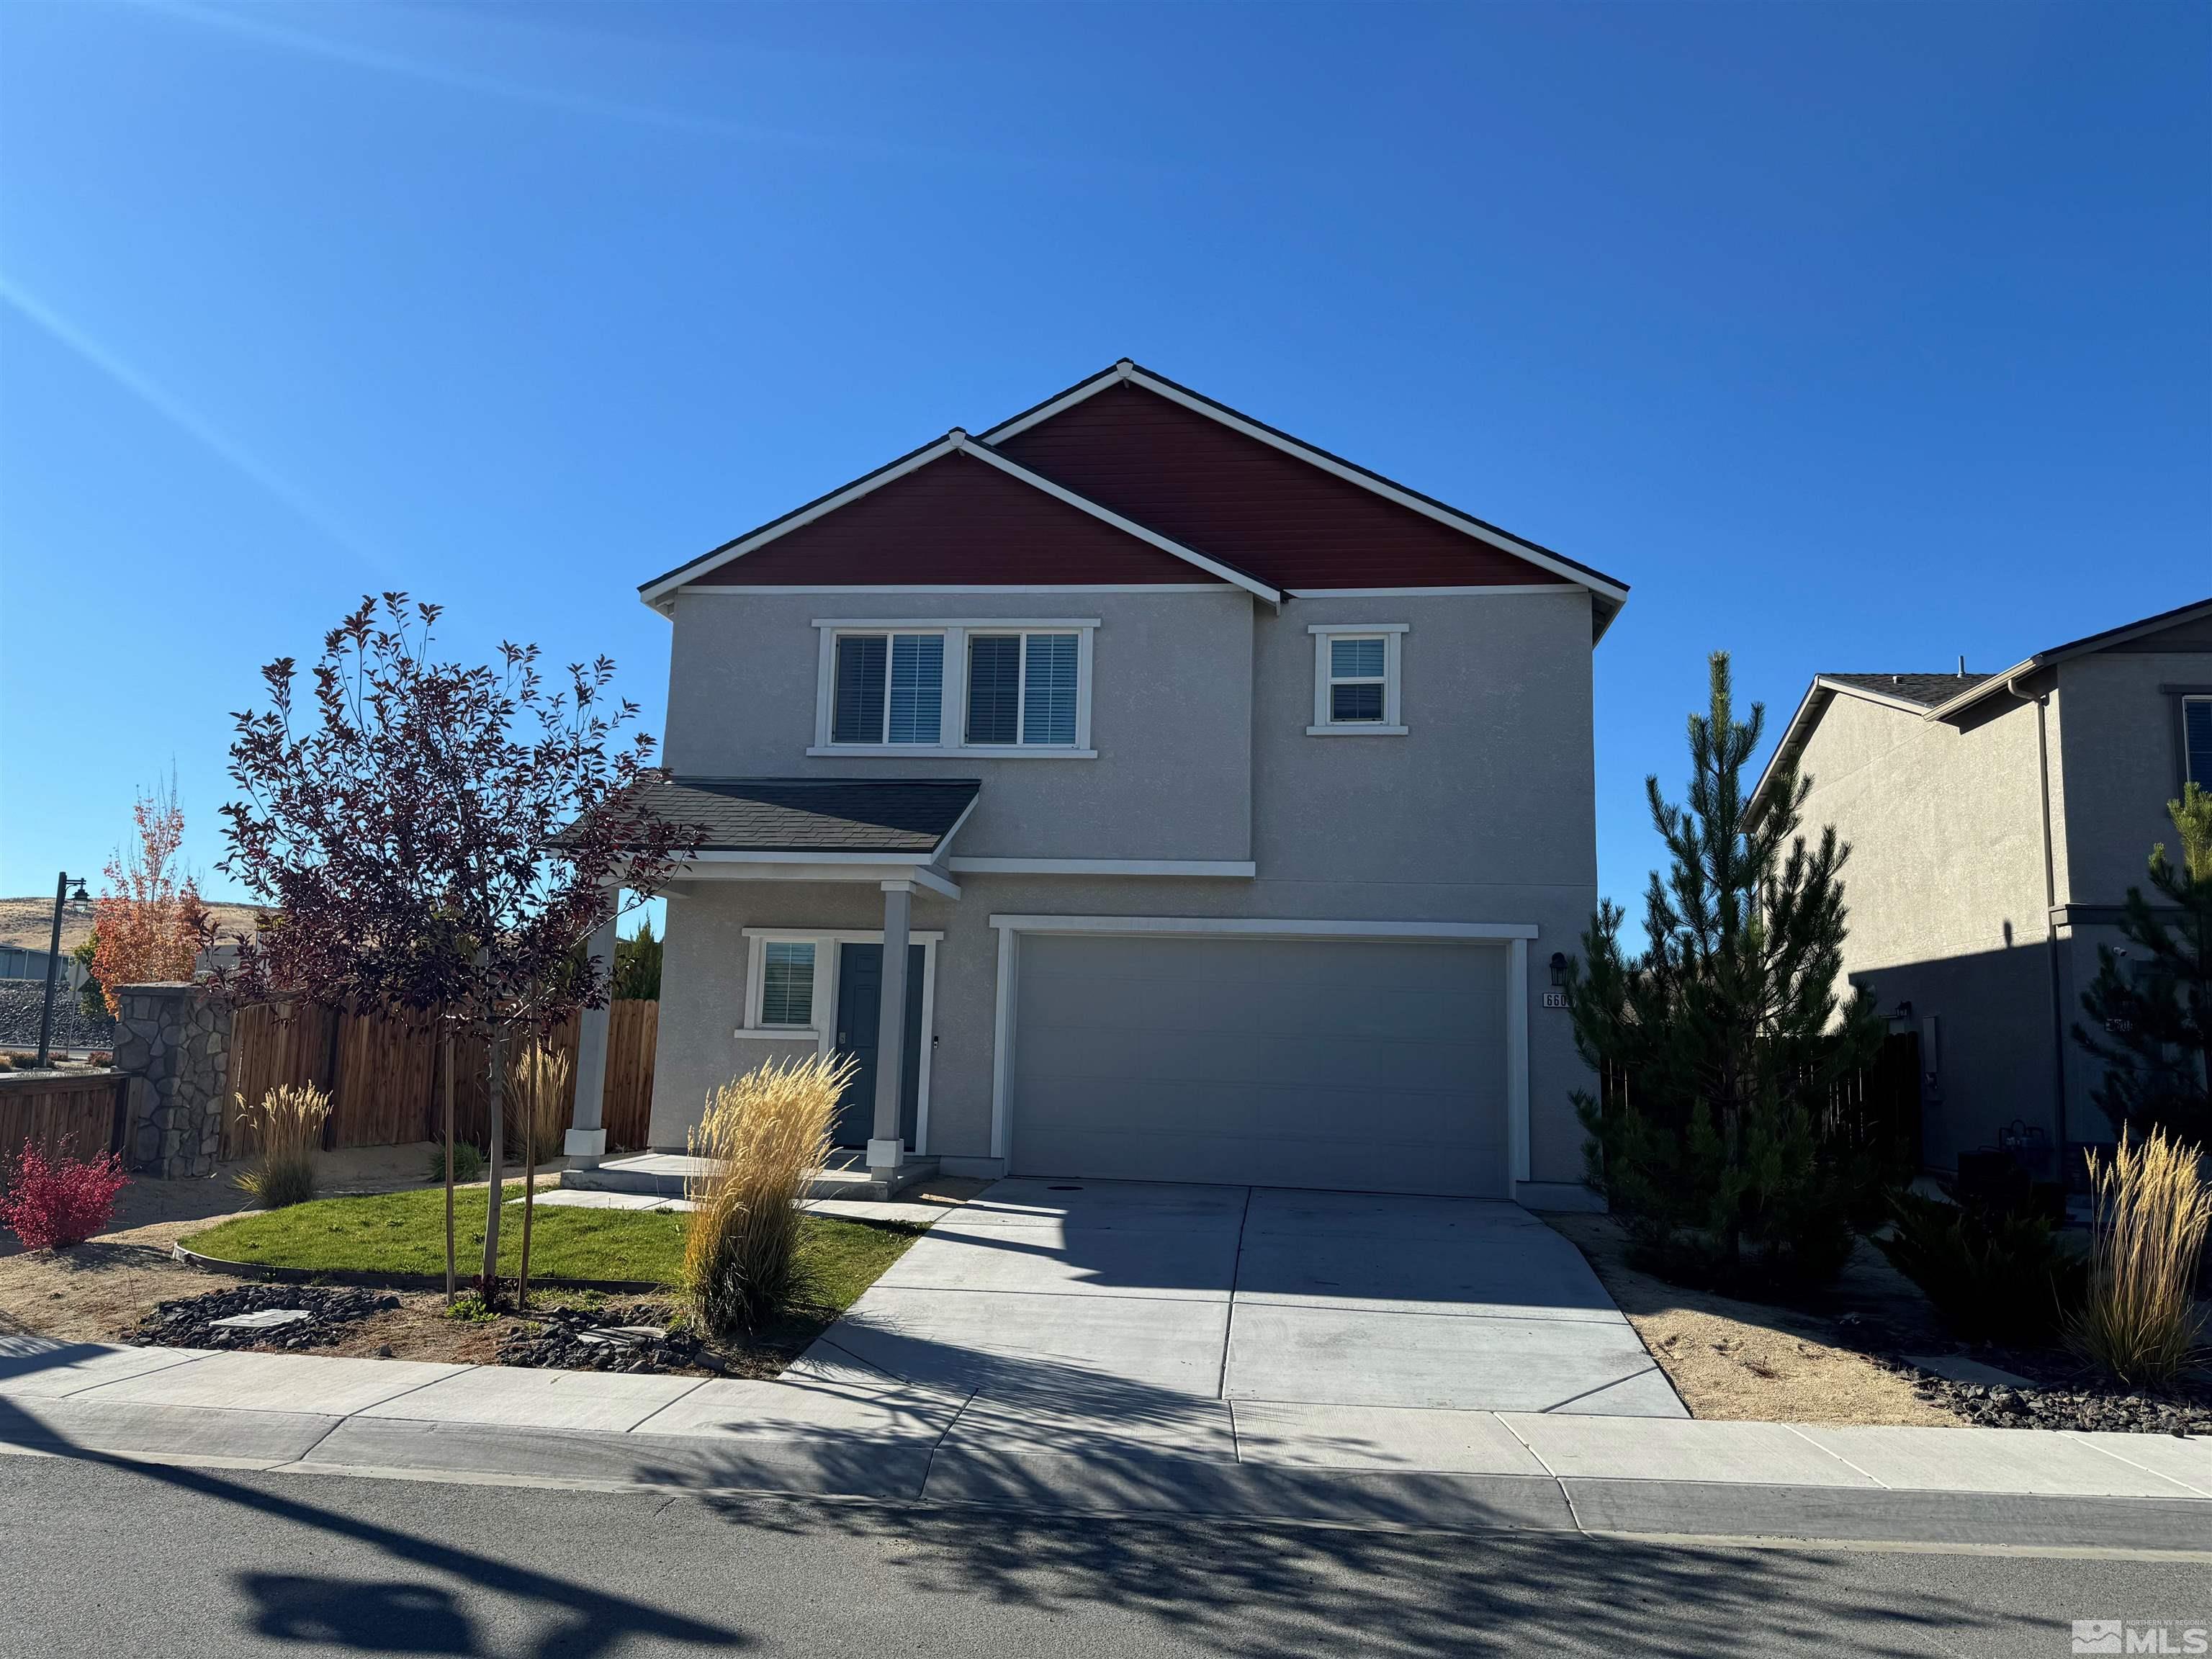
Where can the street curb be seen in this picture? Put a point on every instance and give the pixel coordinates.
(396, 1281)
(908, 1469)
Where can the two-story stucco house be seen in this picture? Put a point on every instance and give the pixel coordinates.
(1996, 822)
(1135, 791)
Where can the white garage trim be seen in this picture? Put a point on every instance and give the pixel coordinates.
(1514, 935)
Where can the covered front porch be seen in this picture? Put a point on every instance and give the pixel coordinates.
(821, 986)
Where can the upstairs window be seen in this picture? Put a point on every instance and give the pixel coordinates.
(2196, 741)
(1017, 688)
(1022, 690)
(1356, 680)
(889, 689)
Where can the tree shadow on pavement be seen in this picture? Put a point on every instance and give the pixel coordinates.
(398, 1614)
(1276, 1591)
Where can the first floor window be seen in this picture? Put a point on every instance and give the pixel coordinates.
(788, 983)
(2197, 739)
(1356, 679)
(888, 688)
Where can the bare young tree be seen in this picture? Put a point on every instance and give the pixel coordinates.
(437, 840)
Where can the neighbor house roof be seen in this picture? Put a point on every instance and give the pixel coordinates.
(1943, 696)
(1218, 493)
(896, 817)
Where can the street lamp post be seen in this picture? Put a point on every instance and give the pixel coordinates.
(62, 899)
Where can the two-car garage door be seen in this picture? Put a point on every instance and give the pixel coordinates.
(1366, 1065)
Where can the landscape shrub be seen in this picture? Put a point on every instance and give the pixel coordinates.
(468, 1163)
(1995, 1274)
(286, 1130)
(52, 1203)
(765, 1134)
(542, 1105)
(2141, 1323)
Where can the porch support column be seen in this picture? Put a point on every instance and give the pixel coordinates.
(587, 1136)
(887, 1147)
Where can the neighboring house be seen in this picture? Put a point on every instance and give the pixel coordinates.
(1227, 797)
(1996, 822)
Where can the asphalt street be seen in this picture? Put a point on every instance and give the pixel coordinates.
(104, 1557)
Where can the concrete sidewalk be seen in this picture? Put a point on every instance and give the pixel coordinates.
(857, 1435)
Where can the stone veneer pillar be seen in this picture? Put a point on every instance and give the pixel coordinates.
(173, 1041)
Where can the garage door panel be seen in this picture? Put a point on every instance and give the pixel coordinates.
(1277, 1062)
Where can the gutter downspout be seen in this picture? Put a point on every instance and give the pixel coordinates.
(2042, 703)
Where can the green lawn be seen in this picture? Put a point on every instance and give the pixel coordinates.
(406, 1233)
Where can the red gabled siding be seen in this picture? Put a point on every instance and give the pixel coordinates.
(1250, 504)
(956, 520)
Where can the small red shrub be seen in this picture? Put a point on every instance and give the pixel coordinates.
(50, 1205)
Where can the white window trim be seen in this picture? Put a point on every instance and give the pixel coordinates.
(952, 702)
(823, 1033)
(1393, 723)
(2187, 698)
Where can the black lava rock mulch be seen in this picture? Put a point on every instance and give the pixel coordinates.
(606, 1339)
(188, 1322)
(2079, 1406)
(21, 1003)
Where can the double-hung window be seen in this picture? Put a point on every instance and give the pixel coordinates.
(2196, 741)
(788, 983)
(950, 687)
(888, 688)
(1022, 690)
(1356, 680)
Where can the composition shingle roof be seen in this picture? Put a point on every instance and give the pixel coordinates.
(1925, 689)
(815, 815)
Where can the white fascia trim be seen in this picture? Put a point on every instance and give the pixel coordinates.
(979, 624)
(1499, 588)
(1125, 370)
(1007, 587)
(721, 856)
(945, 840)
(1359, 627)
(1231, 868)
(916, 751)
(837, 935)
(1270, 927)
(934, 880)
(653, 595)
(1105, 515)
(877, 872)
(1350, 730)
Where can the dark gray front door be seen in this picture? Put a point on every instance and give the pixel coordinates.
(859, 1022)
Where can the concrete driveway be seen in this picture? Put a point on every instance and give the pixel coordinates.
(1194, 1315)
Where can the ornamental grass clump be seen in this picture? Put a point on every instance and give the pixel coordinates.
(765, 1134)
(287, 1131)
(2141, 1322)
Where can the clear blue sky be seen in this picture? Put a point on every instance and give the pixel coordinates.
(1853, 336)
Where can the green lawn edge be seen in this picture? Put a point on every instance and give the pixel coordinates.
(405, 1234)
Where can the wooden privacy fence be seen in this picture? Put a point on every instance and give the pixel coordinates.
(385, 1073)
(77, 1116)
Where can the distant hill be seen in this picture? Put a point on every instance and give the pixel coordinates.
(28, 923)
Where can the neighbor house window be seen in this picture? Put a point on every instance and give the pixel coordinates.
(1022, 690)
(1356, 679)
(788, 983)
(888, 688)
(2197, 740)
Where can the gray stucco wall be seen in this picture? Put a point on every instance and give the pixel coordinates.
(1945, 899)
(1483, 812)
(2121, 765)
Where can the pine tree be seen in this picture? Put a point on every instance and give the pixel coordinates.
(1719, 1048)
(2154, 1010)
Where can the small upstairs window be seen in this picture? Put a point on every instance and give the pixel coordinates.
(1022, 690)
(1356, 680)
(2196, 741)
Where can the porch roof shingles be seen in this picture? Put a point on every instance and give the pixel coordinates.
(1925, 689)
(816, 815)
